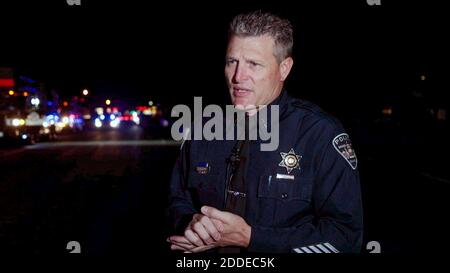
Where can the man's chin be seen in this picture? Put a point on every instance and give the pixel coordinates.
(245, 107)
(241, 102)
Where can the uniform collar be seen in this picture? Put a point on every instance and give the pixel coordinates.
(282, 102)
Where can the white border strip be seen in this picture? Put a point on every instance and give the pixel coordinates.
(324, 249)
(319, 248)
(332, 248)
(305, 249)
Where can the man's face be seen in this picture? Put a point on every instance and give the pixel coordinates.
(253, 74)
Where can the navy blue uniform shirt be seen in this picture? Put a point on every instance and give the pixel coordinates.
(303, 197)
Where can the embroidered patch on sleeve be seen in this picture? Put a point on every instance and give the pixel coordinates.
(343, 145)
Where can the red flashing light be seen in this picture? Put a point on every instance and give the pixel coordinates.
(142, 108)
(6, 82)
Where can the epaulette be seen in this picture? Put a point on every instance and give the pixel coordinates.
(303, 104)
(316, 110)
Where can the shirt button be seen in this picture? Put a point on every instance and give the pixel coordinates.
(284, 196)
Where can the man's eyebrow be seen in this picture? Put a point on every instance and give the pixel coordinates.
(254, 61)
(248, 60)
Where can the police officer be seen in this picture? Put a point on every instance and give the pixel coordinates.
(303, 197)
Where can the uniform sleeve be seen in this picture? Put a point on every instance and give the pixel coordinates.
(336, 222)
(181, 208)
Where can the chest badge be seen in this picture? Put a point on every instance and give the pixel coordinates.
(290, 161)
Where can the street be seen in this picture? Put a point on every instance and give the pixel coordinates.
(104, 193)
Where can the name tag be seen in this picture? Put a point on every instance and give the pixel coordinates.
(285, 176)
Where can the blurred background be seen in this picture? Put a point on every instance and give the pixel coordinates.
(86, 93)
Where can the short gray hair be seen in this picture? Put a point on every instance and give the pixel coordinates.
(258, 23)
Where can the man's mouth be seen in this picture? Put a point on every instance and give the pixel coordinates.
(241, 92)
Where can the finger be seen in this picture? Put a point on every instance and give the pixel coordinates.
(201, 231)
(177, 247)
(185, 246)
(216, 214)
(201, 248)
(218, 224)
(193, 238)
(210, 227)
(178, 239)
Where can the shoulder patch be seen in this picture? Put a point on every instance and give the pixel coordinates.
(343, 145)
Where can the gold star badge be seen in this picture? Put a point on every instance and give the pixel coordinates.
(290, 161)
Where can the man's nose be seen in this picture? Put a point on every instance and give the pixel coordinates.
(240, 74)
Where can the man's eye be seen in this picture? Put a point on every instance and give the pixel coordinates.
(230, 62)
(254, 64)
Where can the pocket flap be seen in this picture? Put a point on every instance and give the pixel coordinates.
(285, 189)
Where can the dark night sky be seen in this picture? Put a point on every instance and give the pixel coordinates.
(349, 55)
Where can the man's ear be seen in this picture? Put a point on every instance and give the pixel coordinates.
(285, 68)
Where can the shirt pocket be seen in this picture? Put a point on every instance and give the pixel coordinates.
(282, 202)
(204, 189)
